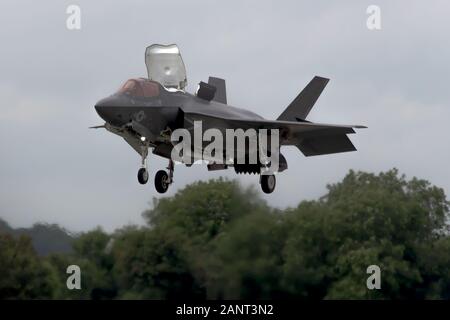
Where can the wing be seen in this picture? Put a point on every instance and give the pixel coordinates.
(311, 138)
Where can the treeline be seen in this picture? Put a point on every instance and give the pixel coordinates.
(46, 238)
(217, 239)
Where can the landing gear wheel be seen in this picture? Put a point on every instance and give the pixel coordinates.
(162, 181)
(142, 175)
(268, 183)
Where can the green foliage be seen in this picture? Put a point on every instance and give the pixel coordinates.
(167, 260)
(217, 239)
(92, 253)
(385, 220)
(203, 209)
(22, 274)
(245, 260)
(153, 264)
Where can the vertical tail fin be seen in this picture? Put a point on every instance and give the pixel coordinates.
(299, 109)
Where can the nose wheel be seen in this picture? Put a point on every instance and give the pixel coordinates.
(268, 183)
(164, 179)
(142, 175)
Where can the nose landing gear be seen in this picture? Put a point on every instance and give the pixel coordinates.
(142, 175)
(143, 172)
(163, 179)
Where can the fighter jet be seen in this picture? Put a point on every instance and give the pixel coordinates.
(146, 111)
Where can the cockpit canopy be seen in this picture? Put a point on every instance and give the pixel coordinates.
(140, 88)
(165, 65)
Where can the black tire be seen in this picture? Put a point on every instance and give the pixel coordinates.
(268, 183)
(161, 181)
(142, 175)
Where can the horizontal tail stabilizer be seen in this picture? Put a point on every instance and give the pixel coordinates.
(318, 145)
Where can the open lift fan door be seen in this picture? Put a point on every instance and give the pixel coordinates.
(165, 65)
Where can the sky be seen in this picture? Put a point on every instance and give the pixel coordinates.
(54, 169)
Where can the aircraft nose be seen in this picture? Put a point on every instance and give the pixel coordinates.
(110, 109)
(104, 109)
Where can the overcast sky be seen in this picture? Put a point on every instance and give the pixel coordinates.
(53, 169)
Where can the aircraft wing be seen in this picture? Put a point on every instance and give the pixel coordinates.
(310, 138)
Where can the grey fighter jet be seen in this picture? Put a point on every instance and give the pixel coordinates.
(145, 111)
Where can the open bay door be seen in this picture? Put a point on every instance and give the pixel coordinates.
(165, 65)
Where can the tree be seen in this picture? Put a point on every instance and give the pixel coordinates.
(245, 262)
(154, 264)
(92, 253)
(23, 274)
(216, 239)
(202, 209)
(372, 219)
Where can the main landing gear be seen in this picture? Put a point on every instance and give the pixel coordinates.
(163, 179)
(268, 183)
